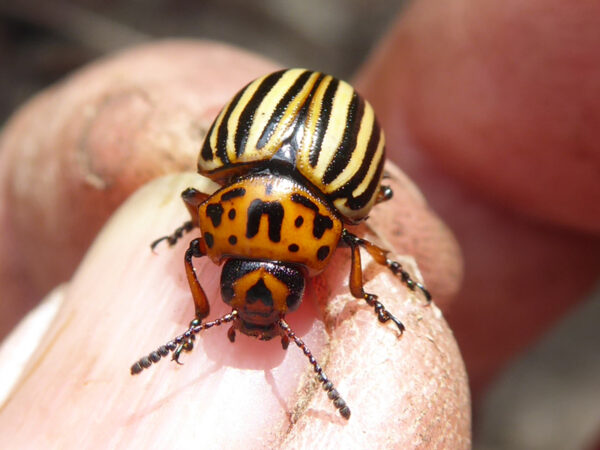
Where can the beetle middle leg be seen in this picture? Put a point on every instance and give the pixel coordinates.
(192, 198)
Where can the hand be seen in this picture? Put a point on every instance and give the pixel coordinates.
(98, 136)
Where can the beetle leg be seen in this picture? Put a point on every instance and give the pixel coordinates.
(192, 198)
(380, 257)
(332, 393)
(196, 249)
(385, 193)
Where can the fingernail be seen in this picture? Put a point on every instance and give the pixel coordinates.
(21, 343)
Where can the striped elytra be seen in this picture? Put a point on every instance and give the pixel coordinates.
(307, 123)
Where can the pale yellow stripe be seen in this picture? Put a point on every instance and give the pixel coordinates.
(358, 153)
(234, 117)
(291, 112)
(264, 113)
(335, 128)
(311, 123)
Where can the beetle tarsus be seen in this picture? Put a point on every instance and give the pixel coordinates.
(175, 236)
(405, 277)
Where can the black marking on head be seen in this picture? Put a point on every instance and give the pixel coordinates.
(232, 239)
(289, 274)
(299, 221)
(261, 292)
(231, 214)
(215, 212)
(293, 248)
(323, 252)
(320, 222)
(274, 212)
(209, 239)
(233, 193)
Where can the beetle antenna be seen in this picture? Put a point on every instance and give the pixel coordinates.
(332, 393)
(180, 343)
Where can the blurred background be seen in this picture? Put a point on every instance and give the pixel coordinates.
(549, 398)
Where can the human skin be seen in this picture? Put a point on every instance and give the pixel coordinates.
(456, 87)
(129, 119)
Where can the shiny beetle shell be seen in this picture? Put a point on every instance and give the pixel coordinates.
(309, 124)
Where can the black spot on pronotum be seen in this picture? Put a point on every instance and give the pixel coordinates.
(233, 193)
(232, 240)
(215, 212)
(293, 248)
(299, 221)
(209, 239)
(231, 214)
(274, 212)
(304, 201)
(323, 252)
(320, 222)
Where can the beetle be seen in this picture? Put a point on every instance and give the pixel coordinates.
(299, 155)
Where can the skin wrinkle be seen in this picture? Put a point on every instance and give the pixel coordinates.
(85, 155)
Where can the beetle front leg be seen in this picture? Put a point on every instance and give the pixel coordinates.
(192, 198)
(196, 249)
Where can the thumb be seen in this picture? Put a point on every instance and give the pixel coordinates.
(124, 301)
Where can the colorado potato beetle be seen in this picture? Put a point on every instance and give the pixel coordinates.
(299, 155)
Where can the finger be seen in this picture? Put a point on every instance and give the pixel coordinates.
(72, 154)
(520, 129)
(124, 301)
(481, 139)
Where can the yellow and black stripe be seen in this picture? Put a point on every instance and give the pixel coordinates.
(311, 122)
